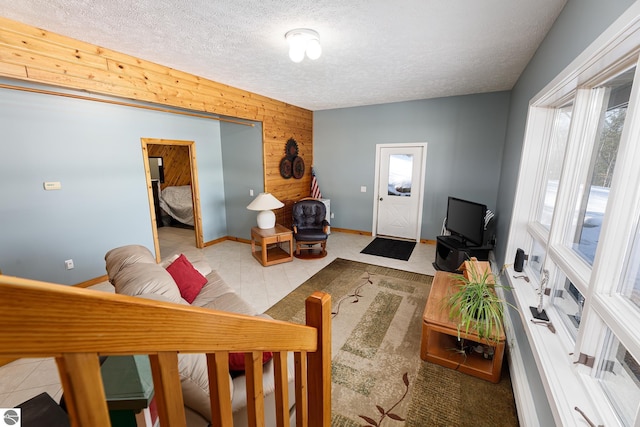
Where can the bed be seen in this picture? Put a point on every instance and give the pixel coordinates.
(178, 203)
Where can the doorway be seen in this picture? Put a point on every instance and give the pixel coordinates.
(399, 190)
(192, 179)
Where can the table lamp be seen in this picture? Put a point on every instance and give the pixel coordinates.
(264, 203)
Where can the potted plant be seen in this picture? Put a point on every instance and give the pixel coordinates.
(474, 304)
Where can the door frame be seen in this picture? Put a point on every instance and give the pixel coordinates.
(195, 189)
(376, 195)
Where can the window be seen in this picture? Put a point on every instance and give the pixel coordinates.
(569, 303)
(400, 172)
(619, 374)
(577, 215)
(591, 207)
(536, 258)
(631, 286)
(555, 157)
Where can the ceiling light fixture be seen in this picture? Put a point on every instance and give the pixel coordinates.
(301, 41)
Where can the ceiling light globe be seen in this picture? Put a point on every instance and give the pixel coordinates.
(314, 50)
(296, 54)
(297, 46)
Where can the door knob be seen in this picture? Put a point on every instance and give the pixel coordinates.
(380, 198)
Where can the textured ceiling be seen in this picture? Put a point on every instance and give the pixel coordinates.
(374, 51)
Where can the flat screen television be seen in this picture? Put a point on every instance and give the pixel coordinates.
(465, 219)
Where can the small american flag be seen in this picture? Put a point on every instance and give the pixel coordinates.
(315, 190)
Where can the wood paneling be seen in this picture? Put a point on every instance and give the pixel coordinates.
(37, 55)
(175, 160)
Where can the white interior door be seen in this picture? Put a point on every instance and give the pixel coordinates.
(399, 190)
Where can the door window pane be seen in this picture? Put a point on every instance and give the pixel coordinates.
(400, 172)
(569, 302)
(555, 158)
(591, 208)
(619, 375)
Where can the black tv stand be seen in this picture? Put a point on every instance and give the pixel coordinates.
(452, 251)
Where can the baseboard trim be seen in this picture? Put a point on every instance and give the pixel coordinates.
(6, 360)
(341, 230)
(92, 282)
(346, 230)
(220, 240)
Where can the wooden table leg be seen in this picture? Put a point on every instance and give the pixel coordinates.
(264, 252)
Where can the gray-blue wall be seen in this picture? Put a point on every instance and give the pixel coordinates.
(577, 26)
(243, 171)
(465, 136)
(94, 150)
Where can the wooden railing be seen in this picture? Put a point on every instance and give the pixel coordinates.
(77, 325)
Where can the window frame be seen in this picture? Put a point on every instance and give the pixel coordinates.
(566, 383)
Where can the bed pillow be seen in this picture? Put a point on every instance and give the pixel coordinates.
(188, 279)
(236, 360)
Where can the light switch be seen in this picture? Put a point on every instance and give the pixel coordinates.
(52, 185)
(363, 189)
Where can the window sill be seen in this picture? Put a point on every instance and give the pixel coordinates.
(566, 384)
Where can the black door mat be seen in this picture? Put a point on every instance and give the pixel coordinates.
(390, 248)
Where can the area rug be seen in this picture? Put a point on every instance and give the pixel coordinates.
(378, 378)
(390, 248)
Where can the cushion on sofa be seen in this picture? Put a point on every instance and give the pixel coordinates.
(236, 360)
(188, 279)
(119, 258)
(142, 278)
(201, 265)
(239, 397)
(229, 302)
(195, 383)
(218, 295)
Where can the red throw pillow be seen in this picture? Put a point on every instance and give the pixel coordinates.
(236, 360)
(188, 279)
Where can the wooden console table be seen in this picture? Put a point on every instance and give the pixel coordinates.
(274, 254)
(440, 343)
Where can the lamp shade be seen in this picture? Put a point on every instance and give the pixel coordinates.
(264, 202)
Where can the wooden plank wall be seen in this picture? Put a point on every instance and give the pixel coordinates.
(175, 159)
(36, 55)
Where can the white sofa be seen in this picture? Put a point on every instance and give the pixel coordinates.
(133, 271)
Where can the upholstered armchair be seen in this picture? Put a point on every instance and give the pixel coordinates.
(310, 228)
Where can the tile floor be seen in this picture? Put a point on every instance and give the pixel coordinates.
(261, 286)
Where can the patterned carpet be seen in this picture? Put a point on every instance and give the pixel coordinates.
(378, 378)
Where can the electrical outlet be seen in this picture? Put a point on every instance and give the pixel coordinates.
(363, 189)
(332, 215)
(68, 264)
(251, 192)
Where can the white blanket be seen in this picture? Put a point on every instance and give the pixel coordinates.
(177, 202)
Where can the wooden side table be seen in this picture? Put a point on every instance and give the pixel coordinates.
(440, 338)
(270, 241)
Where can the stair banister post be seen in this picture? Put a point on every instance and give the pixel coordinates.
(318, 315)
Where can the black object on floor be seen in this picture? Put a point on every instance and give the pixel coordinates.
(43, 411)
(390, 248)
